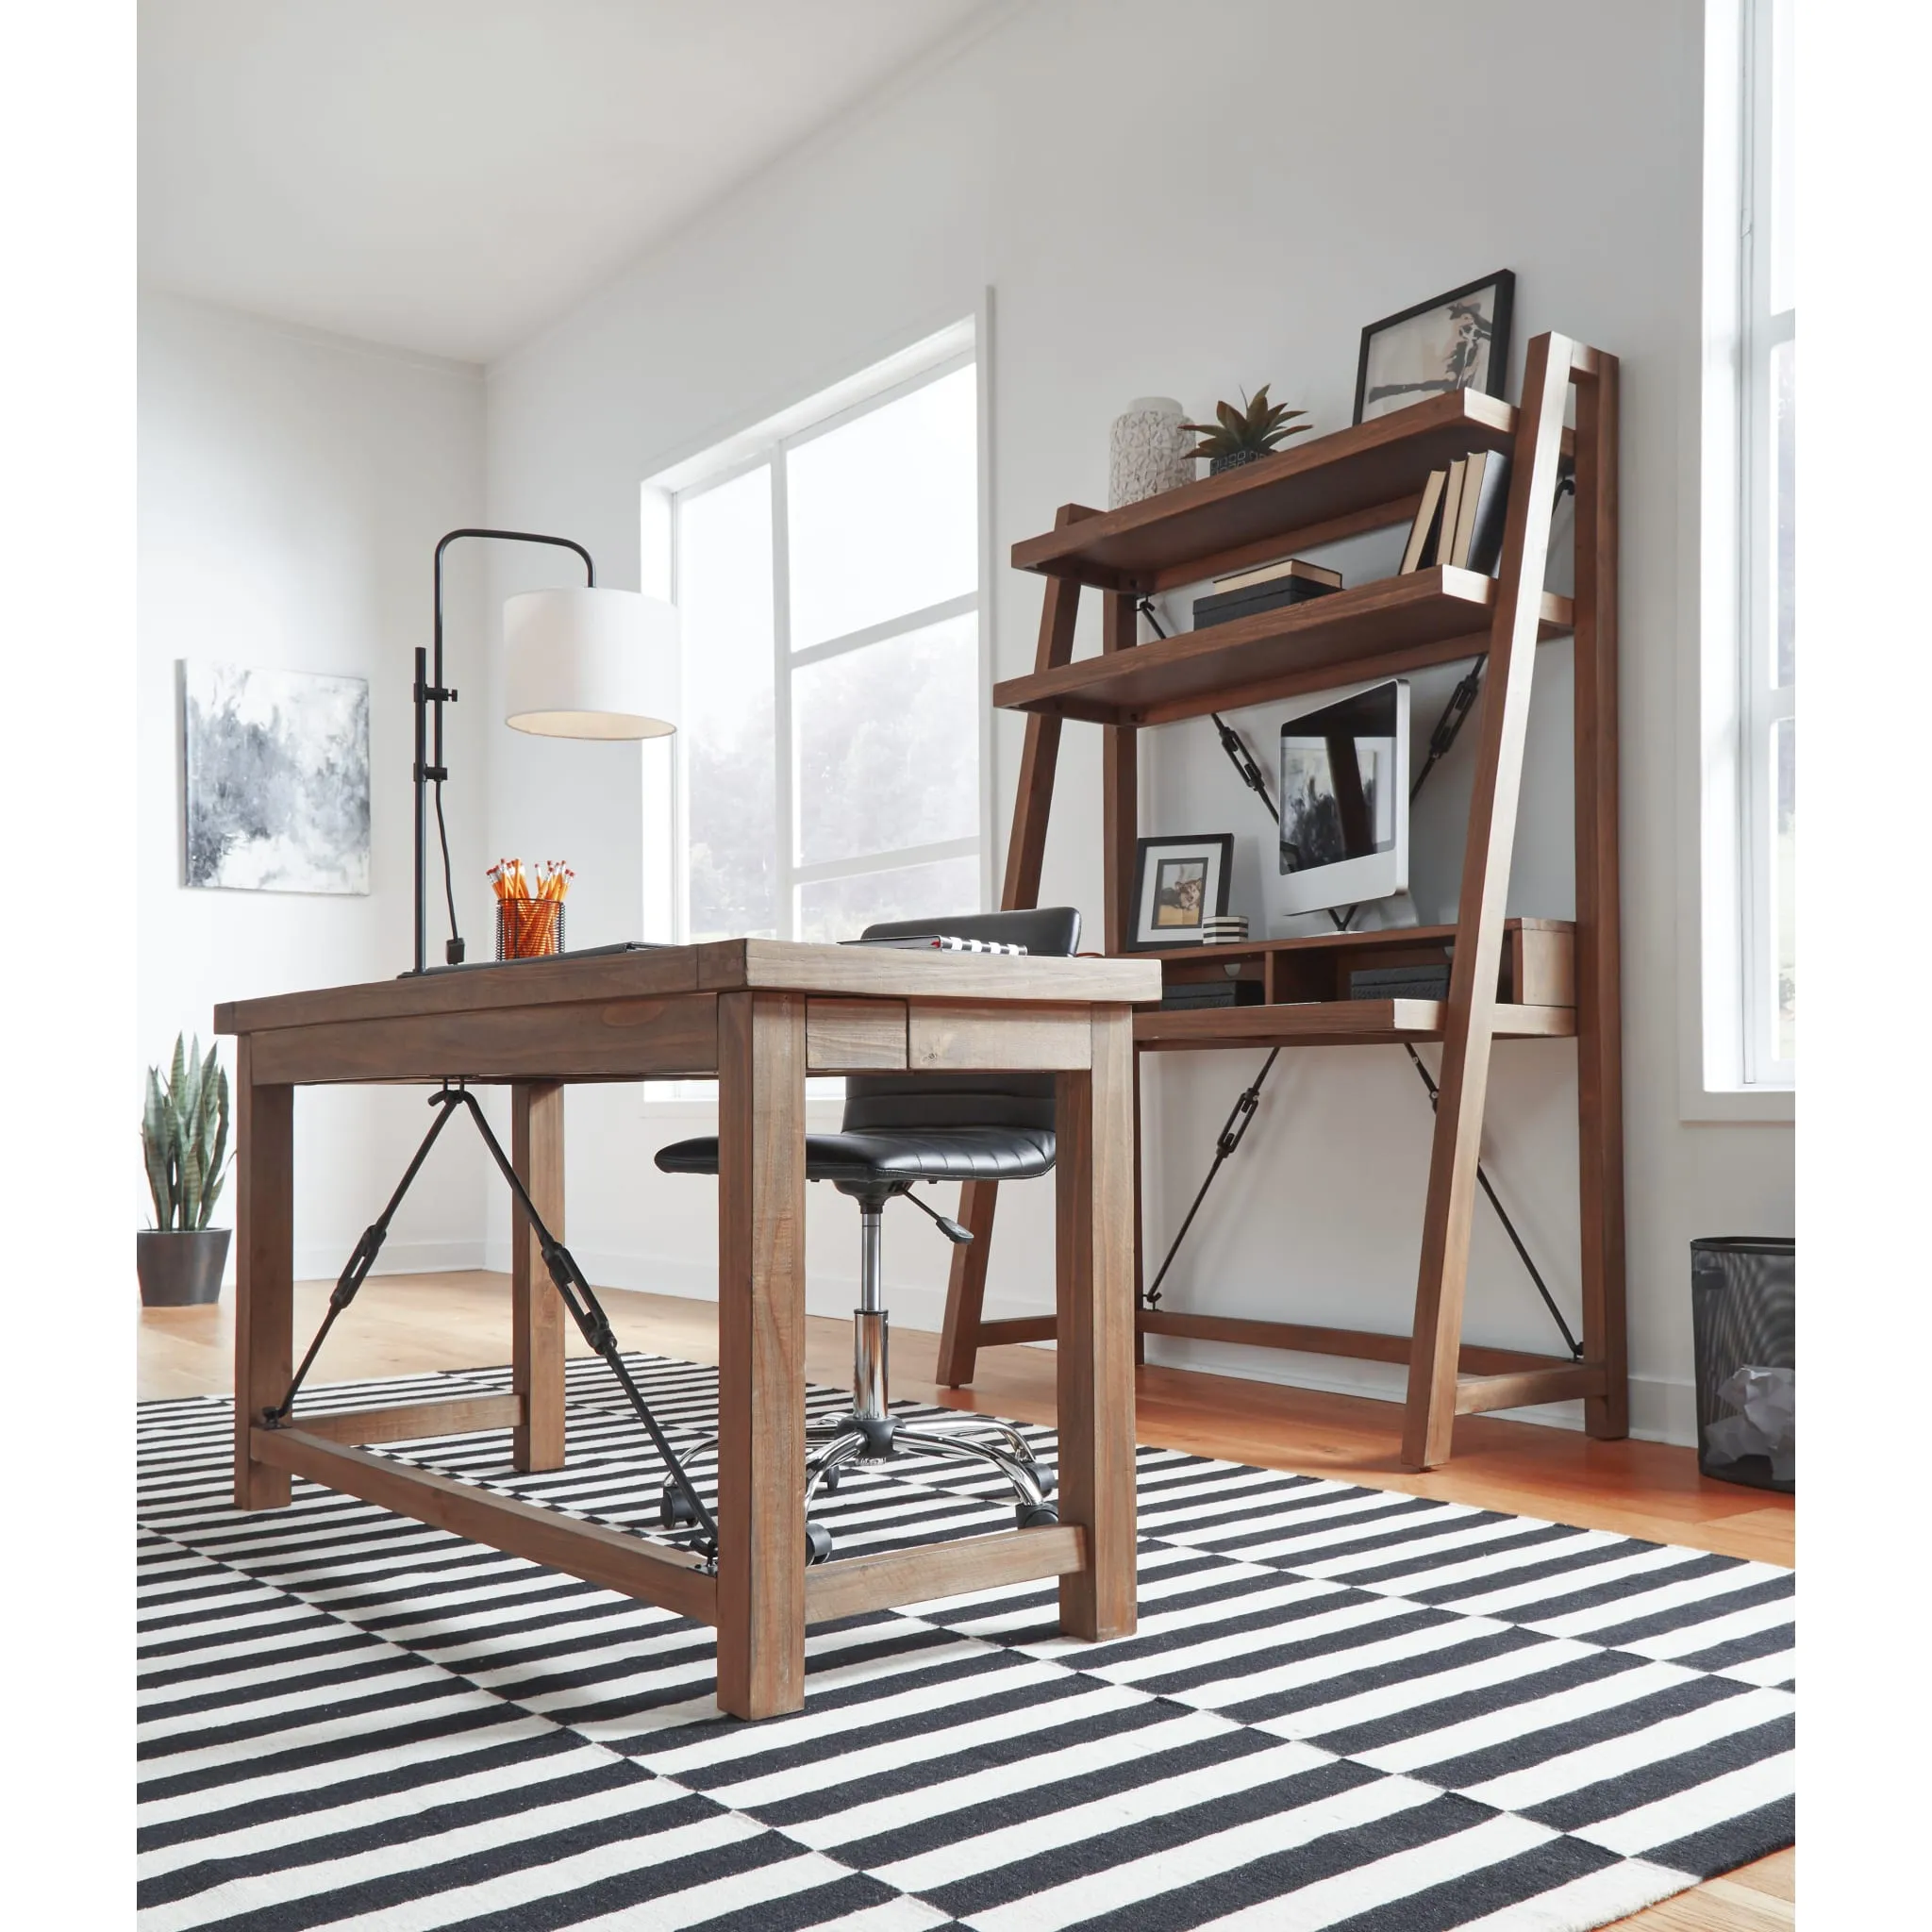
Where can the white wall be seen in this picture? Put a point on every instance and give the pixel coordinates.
(291, 489)
(1171, 198)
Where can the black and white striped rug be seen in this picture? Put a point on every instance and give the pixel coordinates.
(1344, 1707)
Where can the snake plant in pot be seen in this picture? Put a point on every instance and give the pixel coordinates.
(184, 1144)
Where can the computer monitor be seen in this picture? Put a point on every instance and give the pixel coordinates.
(1344, 801)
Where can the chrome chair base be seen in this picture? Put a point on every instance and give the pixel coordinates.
(870, 1435)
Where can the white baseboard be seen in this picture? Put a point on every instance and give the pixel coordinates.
(1661, 1410)
(319, 1261)
(912, 1305)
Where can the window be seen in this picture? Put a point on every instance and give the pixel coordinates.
(1745, 950)
(829, 581)
(1768, 365)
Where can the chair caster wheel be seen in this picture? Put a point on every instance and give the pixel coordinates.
(817, 1543)
(1035, 1516)
(1045, 1478)
(674, 1510)
(830, 1486)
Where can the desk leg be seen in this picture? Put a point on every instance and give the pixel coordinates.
(264, 1270)
(536, 1150)
(761, 1354)
(1095, 1303)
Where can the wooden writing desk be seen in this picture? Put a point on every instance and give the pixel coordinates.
(759, 1015)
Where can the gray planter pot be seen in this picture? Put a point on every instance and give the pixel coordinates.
(180, 1268)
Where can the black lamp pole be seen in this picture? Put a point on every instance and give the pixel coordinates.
(431, 695)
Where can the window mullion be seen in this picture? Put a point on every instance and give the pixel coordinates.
(781, 700)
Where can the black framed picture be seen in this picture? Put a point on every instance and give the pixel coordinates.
(1458, 341)
(1179, 883)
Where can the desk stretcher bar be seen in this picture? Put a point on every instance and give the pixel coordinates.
(629, 1564)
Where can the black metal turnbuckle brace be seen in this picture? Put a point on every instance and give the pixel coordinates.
(1455, 713)
(576, 1292)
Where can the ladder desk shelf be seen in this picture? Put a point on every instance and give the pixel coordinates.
(1509, 978)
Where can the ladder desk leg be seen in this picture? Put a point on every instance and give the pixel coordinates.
(1599, 998)
(966, 1286)
(1469, 1023)
(761, 1353)
(536, 1307)
(1040, 754)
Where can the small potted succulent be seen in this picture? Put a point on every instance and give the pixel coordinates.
(1245, 435)
(184, 1142)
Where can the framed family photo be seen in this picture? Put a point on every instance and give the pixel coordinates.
(1458, 341)
(1179, 883)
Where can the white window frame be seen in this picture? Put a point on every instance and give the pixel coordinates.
(667, 859)
(1762, 703)
(1729, 1009)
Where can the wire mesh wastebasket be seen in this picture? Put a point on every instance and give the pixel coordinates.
(1743, 1320)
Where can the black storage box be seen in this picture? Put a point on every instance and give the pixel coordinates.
(1743, 1322)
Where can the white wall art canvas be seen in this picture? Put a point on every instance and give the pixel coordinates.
(277, 779)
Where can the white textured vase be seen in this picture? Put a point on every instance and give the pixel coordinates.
(1148, 451)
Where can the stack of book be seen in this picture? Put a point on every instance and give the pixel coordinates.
(1460, 520)
(1421, 982)
(1266, 587)
(1186, 995)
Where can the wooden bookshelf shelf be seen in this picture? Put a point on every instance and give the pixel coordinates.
(1399, 936)
(1537, 967)
(1319, 491)
(1393, 626)
(1335, 1022)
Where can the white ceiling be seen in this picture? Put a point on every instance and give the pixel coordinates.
(447, 176)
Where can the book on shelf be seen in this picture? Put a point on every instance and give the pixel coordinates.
(1478, 543)
(1421, 532)
(1451, 509)
(1287, 567)
(1191, 994)
(1223, 606)
(1460, 520)
(1400, 983)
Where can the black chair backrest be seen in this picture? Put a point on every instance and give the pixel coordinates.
(878, 1103)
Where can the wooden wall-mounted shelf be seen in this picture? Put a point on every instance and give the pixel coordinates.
(1528, 978)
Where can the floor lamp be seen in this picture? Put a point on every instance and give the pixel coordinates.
(581, 663)
(586, 663)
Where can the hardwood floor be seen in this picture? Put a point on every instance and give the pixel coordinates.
(413, 1324)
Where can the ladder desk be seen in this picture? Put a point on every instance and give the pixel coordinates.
(1522, 979)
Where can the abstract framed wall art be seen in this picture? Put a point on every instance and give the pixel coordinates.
(1458, 341)
(275, 779)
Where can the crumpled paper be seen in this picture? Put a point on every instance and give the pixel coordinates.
(1768, 1424)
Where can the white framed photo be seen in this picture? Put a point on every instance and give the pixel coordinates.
(1179, 883)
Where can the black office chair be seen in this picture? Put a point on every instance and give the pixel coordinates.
(900, 1129)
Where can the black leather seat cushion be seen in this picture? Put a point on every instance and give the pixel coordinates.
(905, 1154)
(935, 1127)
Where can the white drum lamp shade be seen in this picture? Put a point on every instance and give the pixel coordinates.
(591, 663)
